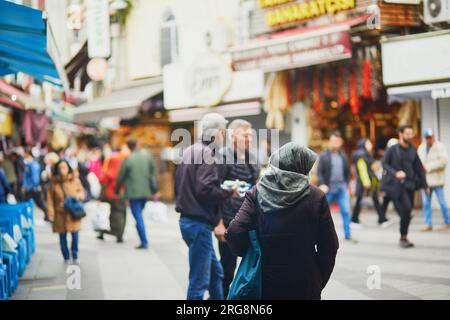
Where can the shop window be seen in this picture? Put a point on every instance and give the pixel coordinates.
(169, 40)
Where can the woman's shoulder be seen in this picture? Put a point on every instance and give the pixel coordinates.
(315, 193)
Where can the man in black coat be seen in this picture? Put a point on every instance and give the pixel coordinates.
(238, 164)
(198, 197)
(403, 174)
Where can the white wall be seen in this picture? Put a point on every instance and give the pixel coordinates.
(194, 17)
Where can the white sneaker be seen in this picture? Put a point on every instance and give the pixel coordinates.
(387, 224)
(356, 226)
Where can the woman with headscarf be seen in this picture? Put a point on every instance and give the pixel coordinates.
(294, 226)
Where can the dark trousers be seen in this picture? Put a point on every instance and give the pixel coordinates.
(65, 247)
(228, 261)
(38, 199)
(376, 204)
(385, 204)
(117, 218)
(404, 205)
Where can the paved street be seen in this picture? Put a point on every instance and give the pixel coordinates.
(117, 271)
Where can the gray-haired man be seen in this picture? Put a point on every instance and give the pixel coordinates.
(198, 197)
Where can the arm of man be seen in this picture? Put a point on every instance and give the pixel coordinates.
(438, 164)
(207, 184)
(121, 177)
(154, 176)
(387, 161)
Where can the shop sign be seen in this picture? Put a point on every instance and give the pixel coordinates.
(98, 29)
(208, 79)
(6, 121)
(440, 93)
(416, 58)
(295, 51)
(297, 11)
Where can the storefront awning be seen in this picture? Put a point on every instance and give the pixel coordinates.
(420, 91)
(23, 43)
(22, 99)
(241, 109)
(122, 103)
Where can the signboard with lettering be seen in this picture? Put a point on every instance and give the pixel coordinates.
(98, 29)
(312, 48)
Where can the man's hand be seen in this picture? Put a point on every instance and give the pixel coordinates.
(234, 192)
(401, 175)
(219, 231)
(324, 188)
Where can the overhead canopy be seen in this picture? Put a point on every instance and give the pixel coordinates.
(23, 43)
(122, 103)
(420, 91)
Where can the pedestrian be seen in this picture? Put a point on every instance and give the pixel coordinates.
(17, 156)
(294, 225)
(118, 215)
(433, 155)
(366, 181)
(241, 165)
(334, 174)
(5, 187)
(386, 199)
(403, 174)
(8, 167)
(139, 175)
(31, 184)
(50, 160)
(64, 184)
(198, 198)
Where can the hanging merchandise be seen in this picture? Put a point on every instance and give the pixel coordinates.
(367, 76)
(276, 100)
(355, 102)
(359, 70)
(59, 139)
(375, 73)
(35, 127)
(301, 87)
(317, 101)
(327, 90)
(342, 86)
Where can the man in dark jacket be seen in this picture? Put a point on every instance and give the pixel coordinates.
(294, 226)
(198, 197)
(238, 164)
(366, 181)
(334, 175)
(403, 175)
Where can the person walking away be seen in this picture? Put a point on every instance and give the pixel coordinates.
(403, 174)
(5, 187)
(139, 175)
(433, 155)
(198, 198)
(294, 225)
(366, 181)
(334, 174)
(64, 184)
(50, 160)
(386, 199)
(17, 156)
(238, 164)
(31, 184)
(8, 167)
(118, 215)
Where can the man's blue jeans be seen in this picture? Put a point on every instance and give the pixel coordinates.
(342, 197)
(428, 212)
(137, 205)
(205, 271)
(65, 247)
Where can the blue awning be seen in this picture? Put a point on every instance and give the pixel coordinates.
(23, 43)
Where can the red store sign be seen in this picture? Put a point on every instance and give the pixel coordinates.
(306, 49)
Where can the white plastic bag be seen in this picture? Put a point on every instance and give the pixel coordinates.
(98, 213)
(94, 185)
(156, 211)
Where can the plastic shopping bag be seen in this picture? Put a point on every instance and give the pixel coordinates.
(98, 213)
(94, 185)
(11, 199)
(156, 211)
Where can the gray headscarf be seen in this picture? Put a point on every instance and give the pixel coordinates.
(287, 180)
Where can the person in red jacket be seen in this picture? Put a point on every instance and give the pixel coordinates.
(118, 205)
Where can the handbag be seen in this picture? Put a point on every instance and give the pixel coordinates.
(73, 206)
(247, 284)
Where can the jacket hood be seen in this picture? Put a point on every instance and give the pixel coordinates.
(287, 179)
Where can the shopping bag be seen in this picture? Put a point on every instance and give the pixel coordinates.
(156, 211)
(94, 185)
(11, 199)
(247, 284)
(98, 213)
